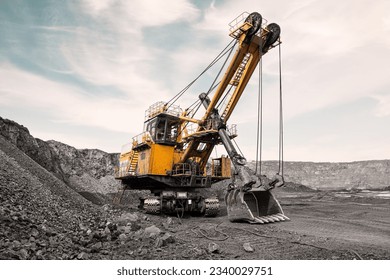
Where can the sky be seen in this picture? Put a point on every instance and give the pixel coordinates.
(83, 72)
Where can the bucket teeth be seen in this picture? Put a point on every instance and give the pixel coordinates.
(286, 218)
(266, 221)
(271, 219)
(258, 220)
(275, 218)
(280, 217)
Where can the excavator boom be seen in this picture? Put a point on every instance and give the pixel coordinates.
(252, 200)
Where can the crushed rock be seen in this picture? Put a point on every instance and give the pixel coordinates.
(248, 248)
(152, 231)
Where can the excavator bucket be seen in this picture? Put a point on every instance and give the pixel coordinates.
(256, 206)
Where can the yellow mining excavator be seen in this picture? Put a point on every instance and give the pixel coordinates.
(171, 158)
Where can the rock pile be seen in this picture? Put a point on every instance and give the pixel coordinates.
(43, 215)
(88, 171)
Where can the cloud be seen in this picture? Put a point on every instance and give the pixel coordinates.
(96, 7)
(112, 59)
(332, 52)
(102, 62)
(111, 50)
(383, 108)
(141, 13)
(67, 104)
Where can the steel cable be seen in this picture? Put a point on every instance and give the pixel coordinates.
(216, 59)
(281, 162)
(259, 134)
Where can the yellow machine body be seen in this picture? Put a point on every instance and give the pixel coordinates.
(158, 159)
(173, 160)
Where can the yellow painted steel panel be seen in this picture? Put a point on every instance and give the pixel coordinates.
(144, 162)
(177, 156)
(161, 159)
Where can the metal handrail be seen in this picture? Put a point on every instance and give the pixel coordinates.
(237, 21)
(143, 137)
(161, 107)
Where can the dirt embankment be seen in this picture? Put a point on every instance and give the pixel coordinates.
(357, 175)
(88, 171)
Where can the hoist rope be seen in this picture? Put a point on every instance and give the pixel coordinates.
(281, 162)
(259, 133)
(259, 138)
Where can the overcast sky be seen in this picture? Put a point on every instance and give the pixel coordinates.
(83, 72)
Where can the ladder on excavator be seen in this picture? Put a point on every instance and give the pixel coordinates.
(130, 170)
(132, 165)
(240, 70)
(235, 81)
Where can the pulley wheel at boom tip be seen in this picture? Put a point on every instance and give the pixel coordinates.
(255, 20)
(272, 36)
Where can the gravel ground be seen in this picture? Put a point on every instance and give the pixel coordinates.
(43, 218)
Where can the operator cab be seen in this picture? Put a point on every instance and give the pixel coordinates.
(162, 123)
(163, 129)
